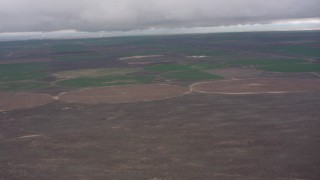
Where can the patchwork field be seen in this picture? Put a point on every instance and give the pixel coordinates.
(202, 106)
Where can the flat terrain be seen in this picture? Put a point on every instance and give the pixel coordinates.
(12, 101)
(197, 136)
(257, 86)
(124, 94)
(200, 106)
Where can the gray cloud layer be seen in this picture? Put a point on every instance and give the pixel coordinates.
(104, 15)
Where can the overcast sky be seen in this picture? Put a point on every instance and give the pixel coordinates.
(110, 15)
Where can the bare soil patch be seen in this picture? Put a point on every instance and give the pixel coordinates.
(13, 101)
(123, 94)
(256, 86)
(236, 72)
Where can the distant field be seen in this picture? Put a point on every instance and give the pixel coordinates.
(68, 48)
(190, 50)
(191, 75)
(185, 72)
(96, 72)
(265, 62)
(22, 86)
(279, 65)
(83, 57)
(301, 50)
(292, 68)
(208, 66)
(168, 67)
(22, 71)
(96, 61)
(185, 67)
(105, 81)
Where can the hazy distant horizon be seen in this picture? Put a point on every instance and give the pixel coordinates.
(290, 25)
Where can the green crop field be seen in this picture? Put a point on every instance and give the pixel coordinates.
(61, 48)
(96, 72)
(191, 75)
(22, 71)
(260, 62)
(168, 67)
(301, 50)
(105, 81)
(22, 86)
(292, 68)
(86, 57)
(207, 66)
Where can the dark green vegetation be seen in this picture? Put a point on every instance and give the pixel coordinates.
(309, 51)
(19, 77)
(279, 65)
(191, 72)
(36, 60)
(87, 57)
(292, 68)
(22, 71)
(105, 81)
(209, 66)
(68, 48)
(264, 62)
(191, 75)
(168, 67)
(22, 86)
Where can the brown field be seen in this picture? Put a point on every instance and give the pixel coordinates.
(13, 101)
(123, 94)
(257, 86)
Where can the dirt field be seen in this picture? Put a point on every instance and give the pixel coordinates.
(13, 101)
(196, 136)
(123, 94)
(256, 86)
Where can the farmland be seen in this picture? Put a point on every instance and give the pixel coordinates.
(195, 106)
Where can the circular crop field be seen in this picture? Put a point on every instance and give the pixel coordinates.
(123, 94)
(13, 101)
(257, 86)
